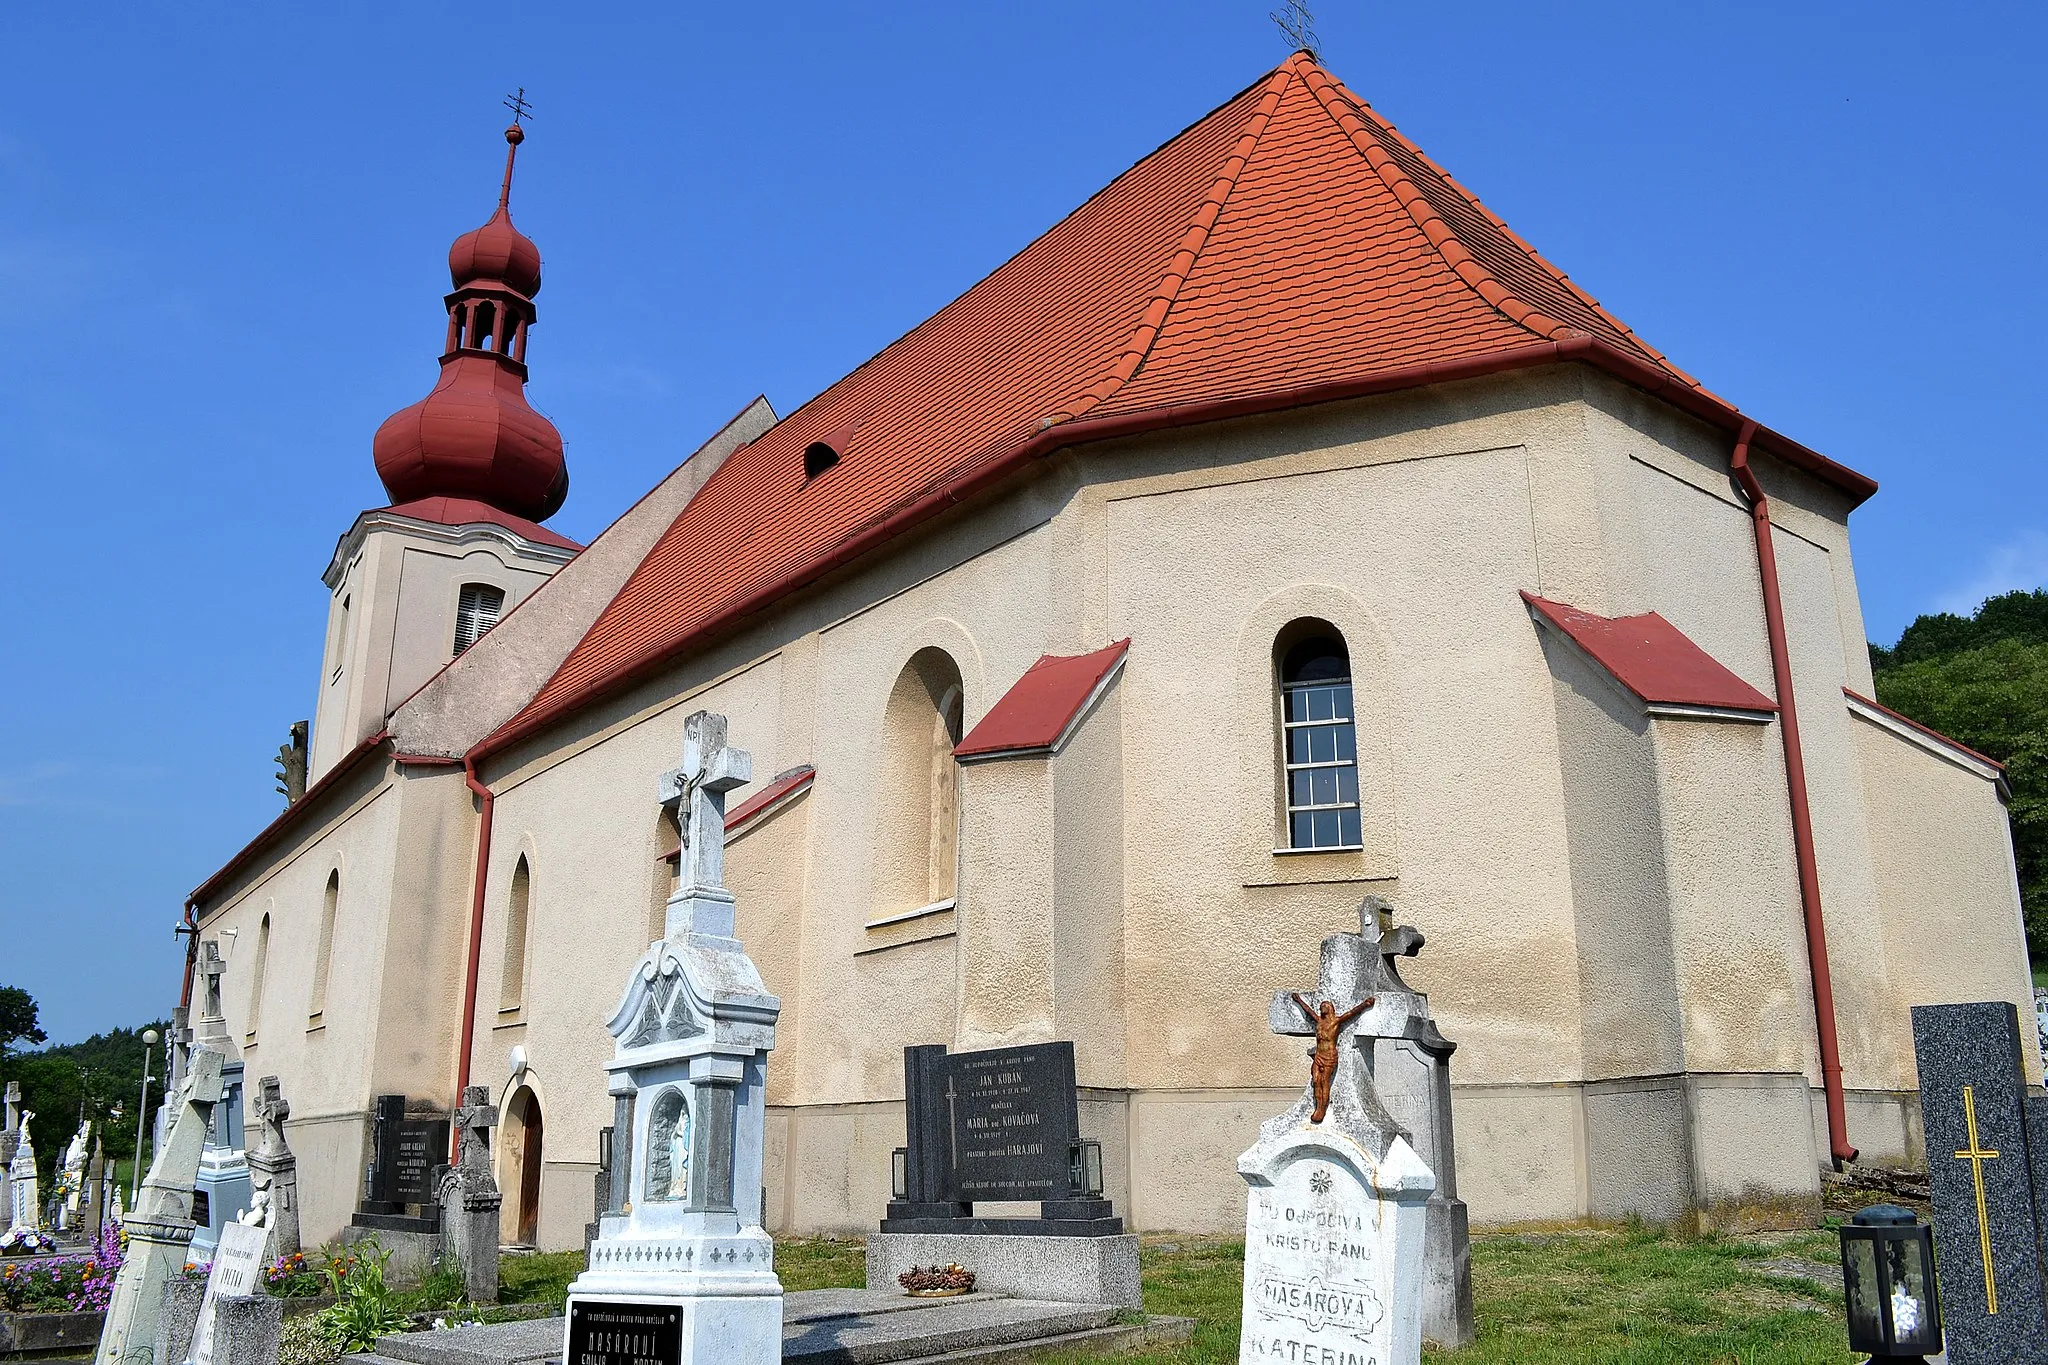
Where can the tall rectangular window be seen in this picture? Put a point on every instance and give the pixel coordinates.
(1320, 746)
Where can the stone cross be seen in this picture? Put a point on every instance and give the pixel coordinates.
(160, 1229)
(272, 1109)
(474, 1119)
(211, 969)
(698, 786)
(13, 1107)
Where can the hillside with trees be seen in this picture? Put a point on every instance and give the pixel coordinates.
(1983, 680)
(99, 1079)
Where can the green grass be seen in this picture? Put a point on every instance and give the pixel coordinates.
(540, 1278)
(1629, 1297)
(1617, 1298)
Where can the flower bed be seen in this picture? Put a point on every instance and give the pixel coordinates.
(57, 1301)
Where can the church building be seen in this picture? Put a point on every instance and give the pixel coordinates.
(1277, 529)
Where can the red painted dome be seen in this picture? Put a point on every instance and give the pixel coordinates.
(497, 251)
(475, 436)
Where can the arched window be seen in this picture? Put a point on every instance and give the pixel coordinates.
(1319, 741)
(918, 820)
(819, 456)
(330, 904)
(476, 611)
(512, 981)
(256, 980)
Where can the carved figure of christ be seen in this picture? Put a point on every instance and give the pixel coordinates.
(1322, 1068)
(709, 770)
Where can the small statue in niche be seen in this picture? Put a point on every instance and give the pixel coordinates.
(1322, 1068)
(668, 1147)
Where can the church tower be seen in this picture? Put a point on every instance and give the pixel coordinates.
(472, 470)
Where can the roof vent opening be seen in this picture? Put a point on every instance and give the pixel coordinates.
(819, 456)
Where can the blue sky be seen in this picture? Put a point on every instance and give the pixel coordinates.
(222, 247)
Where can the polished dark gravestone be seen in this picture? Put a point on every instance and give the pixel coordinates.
(1974, 1104)
(1001, 1124)
(405, 1153)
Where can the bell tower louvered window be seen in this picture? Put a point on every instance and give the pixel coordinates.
(476, 613)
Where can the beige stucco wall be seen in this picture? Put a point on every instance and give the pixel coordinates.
(1607, 897)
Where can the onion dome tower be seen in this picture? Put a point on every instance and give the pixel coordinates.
(472, 470)
(474, 437)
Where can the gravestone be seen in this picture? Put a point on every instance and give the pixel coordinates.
(72, 1177)
(469, 1199)
(10, 1138)
(1409, 1063)
(160, 1229)
(685, 1273)
(236, 1273)
(399, 1186)
(21, 1180)
(92, 1211)
(1980, 1164)
(223, 1181)
(601, 1188)
(274, 1173)
(1336, 1214)
(1002, 1125)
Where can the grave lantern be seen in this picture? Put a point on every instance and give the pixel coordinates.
(1088, 1169)
(899, 1173)
(1888, 1279)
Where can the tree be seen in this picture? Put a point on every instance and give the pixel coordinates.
(18, 1022)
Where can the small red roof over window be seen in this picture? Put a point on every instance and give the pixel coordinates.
(1652, 658)
(1037, 714)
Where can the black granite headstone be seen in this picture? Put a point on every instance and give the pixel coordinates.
(1001, 1124)
(422, 1144)
(603, 1333)
(1973, 1103)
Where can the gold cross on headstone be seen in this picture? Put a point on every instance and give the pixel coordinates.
(1977, 1155)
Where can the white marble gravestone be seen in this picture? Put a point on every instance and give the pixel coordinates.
(26, 1214)
(224, 1176)
(1336, 1210)
(687, 1273)
(236, 1273)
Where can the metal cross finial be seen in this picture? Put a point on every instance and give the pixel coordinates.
(1300, 27)
(521, 110)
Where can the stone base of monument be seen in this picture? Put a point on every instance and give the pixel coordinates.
(412, 1252)
(23, 1334)
(698, 1298)
(1060, 1269)
(829, 1326)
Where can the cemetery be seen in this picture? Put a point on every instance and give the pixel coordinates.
(1269, 784)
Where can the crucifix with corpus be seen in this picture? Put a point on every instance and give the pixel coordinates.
(697, 789)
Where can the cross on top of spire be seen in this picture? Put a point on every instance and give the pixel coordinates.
(1299, 25)
(521, 109)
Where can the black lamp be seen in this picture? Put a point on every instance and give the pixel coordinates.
(1087, 1169)
(1888, 1279)
(899, 1173)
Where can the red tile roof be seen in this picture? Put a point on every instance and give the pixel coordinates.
(468, 511)
(1653, 659)
(1289, 248)
(1038, 711)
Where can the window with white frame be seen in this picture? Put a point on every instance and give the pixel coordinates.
(476, 612)
(1319, 744)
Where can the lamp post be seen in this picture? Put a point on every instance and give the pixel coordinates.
(1888, 1280)
(141, 1117)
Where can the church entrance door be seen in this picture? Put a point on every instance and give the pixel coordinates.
(521, 1168)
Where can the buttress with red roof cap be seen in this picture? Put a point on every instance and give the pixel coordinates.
(475, 436)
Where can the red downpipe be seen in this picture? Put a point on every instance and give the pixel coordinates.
(1802, 815)
(488, 804)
